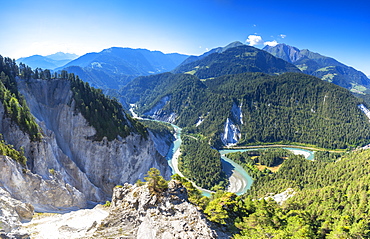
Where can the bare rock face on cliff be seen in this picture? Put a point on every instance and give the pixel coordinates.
(136, 213)
(66, 165)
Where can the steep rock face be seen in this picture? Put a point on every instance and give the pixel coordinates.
(162, 143)
(231, 134)
(365, 110)
(135, 213)
(45, 191)
(285, 52)
(237, 113)
(93, 167)
(50, 194)
(158, 113)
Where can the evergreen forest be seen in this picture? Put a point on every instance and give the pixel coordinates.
(331, 199)
(15, 106)
(288, 108)
(201, 164)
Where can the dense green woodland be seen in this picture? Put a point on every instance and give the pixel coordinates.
(331, 200)
(14, 104)
(289, 108)
(200, 163)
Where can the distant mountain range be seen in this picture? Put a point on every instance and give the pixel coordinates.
(326, 68)
(114, 67)
(50, 62)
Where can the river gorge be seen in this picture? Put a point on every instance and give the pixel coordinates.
(239, 180)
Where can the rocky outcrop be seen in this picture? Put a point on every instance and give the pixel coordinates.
(231, 134)
(13, 212)
(135, 213)
(158, 113)
(162, 143)
(366, 111)
(50, 194)
(237, 113)
(280, 198)
(73, 225)
(158, 106)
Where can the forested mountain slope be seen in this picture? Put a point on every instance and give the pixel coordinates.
(250, 108)
(236, 60)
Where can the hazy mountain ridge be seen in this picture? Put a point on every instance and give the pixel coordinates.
(326, 68)
(51, 62)
(114, 67)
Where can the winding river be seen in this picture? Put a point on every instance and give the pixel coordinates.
(239, 179)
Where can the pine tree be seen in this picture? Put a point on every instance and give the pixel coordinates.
(156, 183)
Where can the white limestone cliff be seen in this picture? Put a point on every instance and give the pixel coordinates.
(231, 134)
(68, 167)
(158, 113)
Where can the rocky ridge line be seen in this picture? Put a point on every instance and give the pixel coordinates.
(135, 213)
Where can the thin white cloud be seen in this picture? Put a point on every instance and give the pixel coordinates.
(254, 40)
(270, 43)
(282, 36)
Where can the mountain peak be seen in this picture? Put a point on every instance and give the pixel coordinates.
(234, 60)
(62, 56)
(231, 45)
(288, 53)
(324, 67)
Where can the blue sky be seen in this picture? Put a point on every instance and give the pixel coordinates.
(339, 29)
